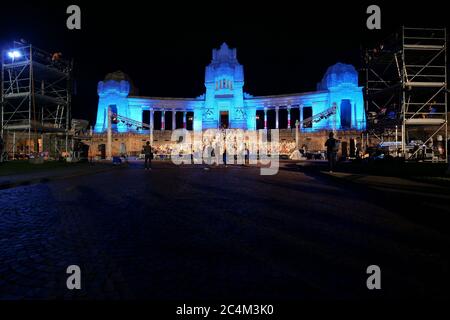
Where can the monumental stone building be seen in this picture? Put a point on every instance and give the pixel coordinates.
(225, 104)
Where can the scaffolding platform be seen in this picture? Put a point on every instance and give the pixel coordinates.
(406, 92)
(35, 98)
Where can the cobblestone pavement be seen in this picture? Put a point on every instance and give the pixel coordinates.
(186, 232)
(49, 174)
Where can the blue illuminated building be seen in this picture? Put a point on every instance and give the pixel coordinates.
(225, 104)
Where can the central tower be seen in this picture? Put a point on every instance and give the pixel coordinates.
(224, 99)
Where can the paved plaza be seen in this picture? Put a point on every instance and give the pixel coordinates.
(228, 232)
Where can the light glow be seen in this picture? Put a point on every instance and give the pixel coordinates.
(14, 54)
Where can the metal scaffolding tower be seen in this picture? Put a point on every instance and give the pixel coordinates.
(406, 93)
(35, 100)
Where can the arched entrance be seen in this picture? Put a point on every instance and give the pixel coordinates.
(224, 120)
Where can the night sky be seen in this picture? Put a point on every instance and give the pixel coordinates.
(285, 47)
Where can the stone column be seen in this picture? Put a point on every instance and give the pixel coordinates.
(277, 110)
(289, 117)
(174, 121)
(300, 111)
(152, 121)
(265, 118)
(163, 120)
(108, 138)
(152, 125)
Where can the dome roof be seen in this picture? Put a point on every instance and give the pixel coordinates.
(119, 76)
(341, 68)
(337, 75)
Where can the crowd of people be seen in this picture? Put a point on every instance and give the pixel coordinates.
(166, 149)
(235, 147)
(163, 150)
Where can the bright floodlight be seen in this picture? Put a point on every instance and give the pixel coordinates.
(14, 54)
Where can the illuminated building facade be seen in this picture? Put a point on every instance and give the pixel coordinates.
(226, 105)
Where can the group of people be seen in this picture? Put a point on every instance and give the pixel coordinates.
(149, 151)
(282, 148)
(163, 149)
(331, 145)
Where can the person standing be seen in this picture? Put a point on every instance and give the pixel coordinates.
(224, 155)
(148, 153)
(247, 154)
(332, 146)
(123, 152)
